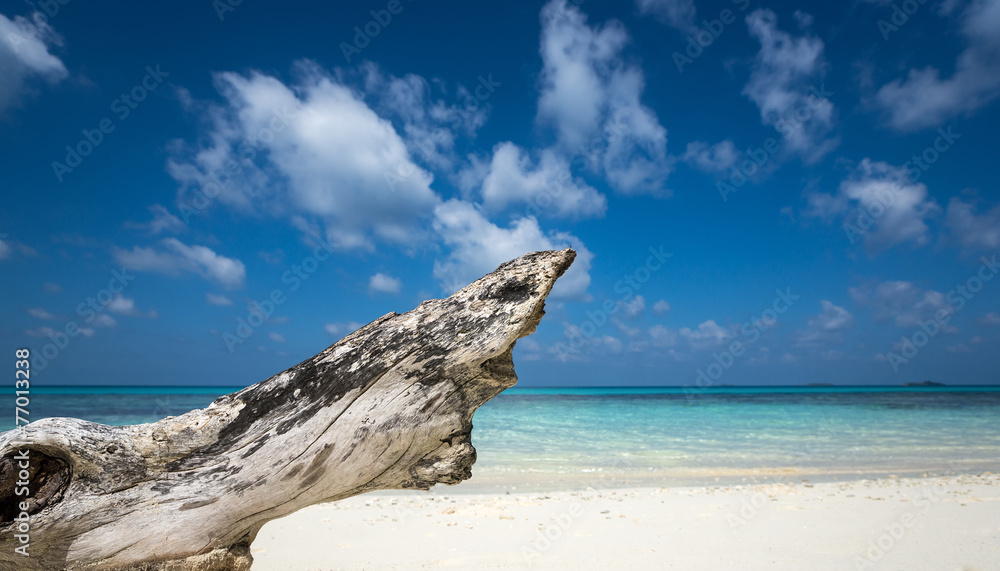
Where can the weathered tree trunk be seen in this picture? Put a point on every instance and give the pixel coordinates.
(388, 407)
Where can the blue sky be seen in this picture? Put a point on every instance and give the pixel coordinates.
(759, 193)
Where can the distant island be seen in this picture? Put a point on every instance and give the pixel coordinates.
(819, 384)
(924, 384)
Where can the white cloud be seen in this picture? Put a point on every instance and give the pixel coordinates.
(24, 53)
(782, 84)
(478, 246)
(104, 320)
(634, 308)
(715, 158)
(827, 326)
(709, 334)
(662, 336)
(991, 318)
(903, 303)
(924, 99)
(215, 299)
(384, 283)
(7, 248)
(613, 344)
(124, 306)
(833, 318)
(51, 287)
(593, 99)
(276, 337)
(881, 196)
(661, 307)
(430, 126)
(313, 150)
(677, 13)
(49, 332)
(546, 185)
(163, 221)
(341, 329)
(973, 231)
(175, 257)
(41, 313)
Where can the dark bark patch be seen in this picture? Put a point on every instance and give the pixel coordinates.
(47, 479)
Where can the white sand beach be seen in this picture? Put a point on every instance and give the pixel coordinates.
(934, 523)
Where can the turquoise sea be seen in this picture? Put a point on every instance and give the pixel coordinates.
(578, 437)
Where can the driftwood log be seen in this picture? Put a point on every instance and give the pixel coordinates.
(388, 407)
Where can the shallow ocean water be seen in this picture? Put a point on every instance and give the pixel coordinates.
(582, 437)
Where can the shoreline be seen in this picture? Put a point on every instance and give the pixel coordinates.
(487, 480)
(947, 522)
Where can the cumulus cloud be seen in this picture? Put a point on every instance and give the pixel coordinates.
(662, 336)
(163, 221)
(546, 186)
(104, 320)
(925, 99)
(173, 257)
(478, 246)
(593, 99)
(276, 337)
(880, 205)
(973, 231)
(715, 158)
(783, 86)
(661, 307)
(126, 306)
(341, 329)
(679, 14)
(903, 303)
(216, 299)
(41, 313)
(312, 149)
(384, 283)
(709, 334)
(50, 332)
(633, 308)
(827, 326)
(7, 248)
(991, 318)
(24, 55)
(430, 125)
